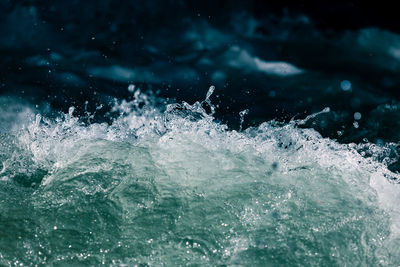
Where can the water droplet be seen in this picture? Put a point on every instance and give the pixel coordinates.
(345, 85)
(272, 93)
(71, 111)
(131, 88)
(357, 116)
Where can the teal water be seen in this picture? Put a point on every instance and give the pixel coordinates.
(176, 188)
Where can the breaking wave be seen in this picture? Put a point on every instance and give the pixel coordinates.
(164, 185)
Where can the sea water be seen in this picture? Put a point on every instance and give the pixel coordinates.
(167, 185)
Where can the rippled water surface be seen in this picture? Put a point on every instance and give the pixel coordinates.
(167, 185)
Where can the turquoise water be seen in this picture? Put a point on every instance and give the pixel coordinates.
(175, 188)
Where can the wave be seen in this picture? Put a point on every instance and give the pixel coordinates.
(169, 185)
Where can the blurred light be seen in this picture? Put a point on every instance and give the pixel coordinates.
(357, 116)
(345, 85)
(272, 93)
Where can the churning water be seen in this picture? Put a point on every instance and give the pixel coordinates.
(170, 186)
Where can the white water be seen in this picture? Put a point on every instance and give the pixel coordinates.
(176, 187)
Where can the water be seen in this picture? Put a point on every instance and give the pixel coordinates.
(167, 185)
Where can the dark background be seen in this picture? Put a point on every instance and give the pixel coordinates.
(63, 53)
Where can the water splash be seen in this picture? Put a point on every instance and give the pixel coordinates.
(208, 101)
(312, 116)
(174, 187)
(242, 114)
